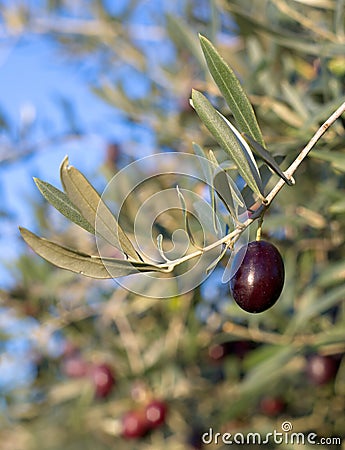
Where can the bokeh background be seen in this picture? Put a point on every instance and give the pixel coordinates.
(108, 82)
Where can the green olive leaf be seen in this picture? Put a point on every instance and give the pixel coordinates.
(316, 305)
(285, 37)
(337, 159)
(232, 91)
(206, 168)
(182, 35)
(221, 186)
(265, 372)
(62, 203)
(332, 335)
(82, 263)
(186, 218)
(332, 275)
(267, 157)
(93, 209)
(246, 149)
(224, 134)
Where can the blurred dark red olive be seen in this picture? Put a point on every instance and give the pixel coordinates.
(75, 366)
(103, 379)
(259, 279)
(155, 413)
(272, 406)
(321, 369)
(134, 425)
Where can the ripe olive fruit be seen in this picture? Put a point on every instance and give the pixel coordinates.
(103, 380)
(272, 406)
(155, 413)
(259, 280)
(321, 369)
(75, 366)
(134, 425)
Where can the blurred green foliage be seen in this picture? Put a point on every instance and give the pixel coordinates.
(289, 56)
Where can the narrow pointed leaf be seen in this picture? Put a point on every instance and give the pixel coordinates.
(223, 190)
(232, 91)
(333, 274)
(232, 185)
(227, 140)
(62, 203)
(207, 169)
(267, 157)
(324, 302)
(185, 217)
(337, 159)
(226, 193)
(82, 263)
(92, 207)
(246, 149)
(181, 33)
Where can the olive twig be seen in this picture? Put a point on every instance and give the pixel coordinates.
(258, 214)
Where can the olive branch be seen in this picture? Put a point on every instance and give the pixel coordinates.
(81, 203)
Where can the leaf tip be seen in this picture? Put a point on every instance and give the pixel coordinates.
(195, 95)
(65, 163)
(23, 231)
(202, 38)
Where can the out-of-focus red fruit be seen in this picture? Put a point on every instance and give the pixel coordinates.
(70, 349)
(74, 366)
(272, 406)
(155, 413)
(103, 379)
(139, 392)
(321, 369)
(217, 352)
(134, 425)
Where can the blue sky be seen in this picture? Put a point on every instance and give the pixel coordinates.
(46, 78)
(34, 76)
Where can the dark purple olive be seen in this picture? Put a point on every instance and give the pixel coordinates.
(259, 280)
(155, 413)
(272, 406)
(322, 369)
(134, 424)
(103, 379)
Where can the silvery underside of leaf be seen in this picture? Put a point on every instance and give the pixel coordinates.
(246, 150)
